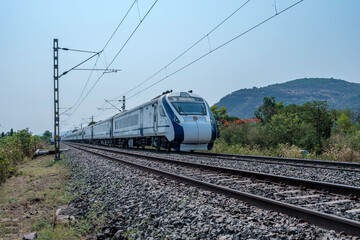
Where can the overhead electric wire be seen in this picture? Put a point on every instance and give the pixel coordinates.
(106, 44)
(96, 54)
(111, 62)
(179, 56)
(127, 13)
(108, 41)
(220, 46)
(204, 55)
(118, 53)
(187, 50)
(83, 90)
(133, 33)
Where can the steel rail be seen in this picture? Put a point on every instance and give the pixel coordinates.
(297, 162)
(324, 220)
(335, 165)
(310, 184)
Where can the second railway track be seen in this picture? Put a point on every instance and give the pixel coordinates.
(306, 163)
(324, 204)
(311, 163)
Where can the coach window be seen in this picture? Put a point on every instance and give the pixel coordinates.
(162, 112)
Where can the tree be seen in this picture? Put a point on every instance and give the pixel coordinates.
(344, 123)
(219, 113)
(316, 115)
(25, 139)
(318, 112)
(46, 136)
(2, 134)
(291, 129)
(11, 132)
(267, 109)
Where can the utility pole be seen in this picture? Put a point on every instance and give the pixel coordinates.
(123, 104)
(56, 101)
(56, 88)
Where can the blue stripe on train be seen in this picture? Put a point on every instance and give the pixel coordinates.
(179, 130)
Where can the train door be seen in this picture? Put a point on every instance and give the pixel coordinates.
(155, 118)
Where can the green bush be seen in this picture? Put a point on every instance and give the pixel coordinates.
(281, 130)
(244, 134)
(291, 129)
(14, 148)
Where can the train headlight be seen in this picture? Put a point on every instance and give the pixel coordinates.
(176, 120)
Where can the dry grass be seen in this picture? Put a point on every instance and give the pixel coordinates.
(341, 153)
(287, 151)
(29, 200)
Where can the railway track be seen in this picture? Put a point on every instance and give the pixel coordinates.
(332, 206)
(334, 165)
(306, 163)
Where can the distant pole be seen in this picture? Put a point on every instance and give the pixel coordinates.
(123, 105)
(56, 102)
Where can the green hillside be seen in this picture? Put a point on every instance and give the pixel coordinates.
(339, 94)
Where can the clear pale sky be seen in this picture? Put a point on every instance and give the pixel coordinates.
(314, 39)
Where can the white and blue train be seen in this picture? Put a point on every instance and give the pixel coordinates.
(181, 121)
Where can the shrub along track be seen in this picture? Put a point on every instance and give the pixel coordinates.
(312, 201)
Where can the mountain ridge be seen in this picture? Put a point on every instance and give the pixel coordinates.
(338, 93)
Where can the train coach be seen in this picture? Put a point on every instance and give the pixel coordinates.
(181, 121)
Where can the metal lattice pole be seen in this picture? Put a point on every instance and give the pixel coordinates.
(123, 104)
(56, 102)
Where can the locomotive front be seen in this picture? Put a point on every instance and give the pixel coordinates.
(192, 120)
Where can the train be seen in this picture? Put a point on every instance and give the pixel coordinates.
(181, 121)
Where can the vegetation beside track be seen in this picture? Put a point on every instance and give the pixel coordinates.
(29, 201)
(286, 131)
(16, 148)
(32, 189)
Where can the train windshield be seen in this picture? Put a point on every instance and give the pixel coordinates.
(190, 108)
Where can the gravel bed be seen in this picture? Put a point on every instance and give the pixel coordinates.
(318, 174)
(258, 187)
(139, 205)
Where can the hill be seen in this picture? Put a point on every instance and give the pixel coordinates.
(339, 94)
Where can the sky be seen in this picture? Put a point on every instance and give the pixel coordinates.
(313, 39)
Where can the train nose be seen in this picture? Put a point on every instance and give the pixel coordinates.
(196, 129)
